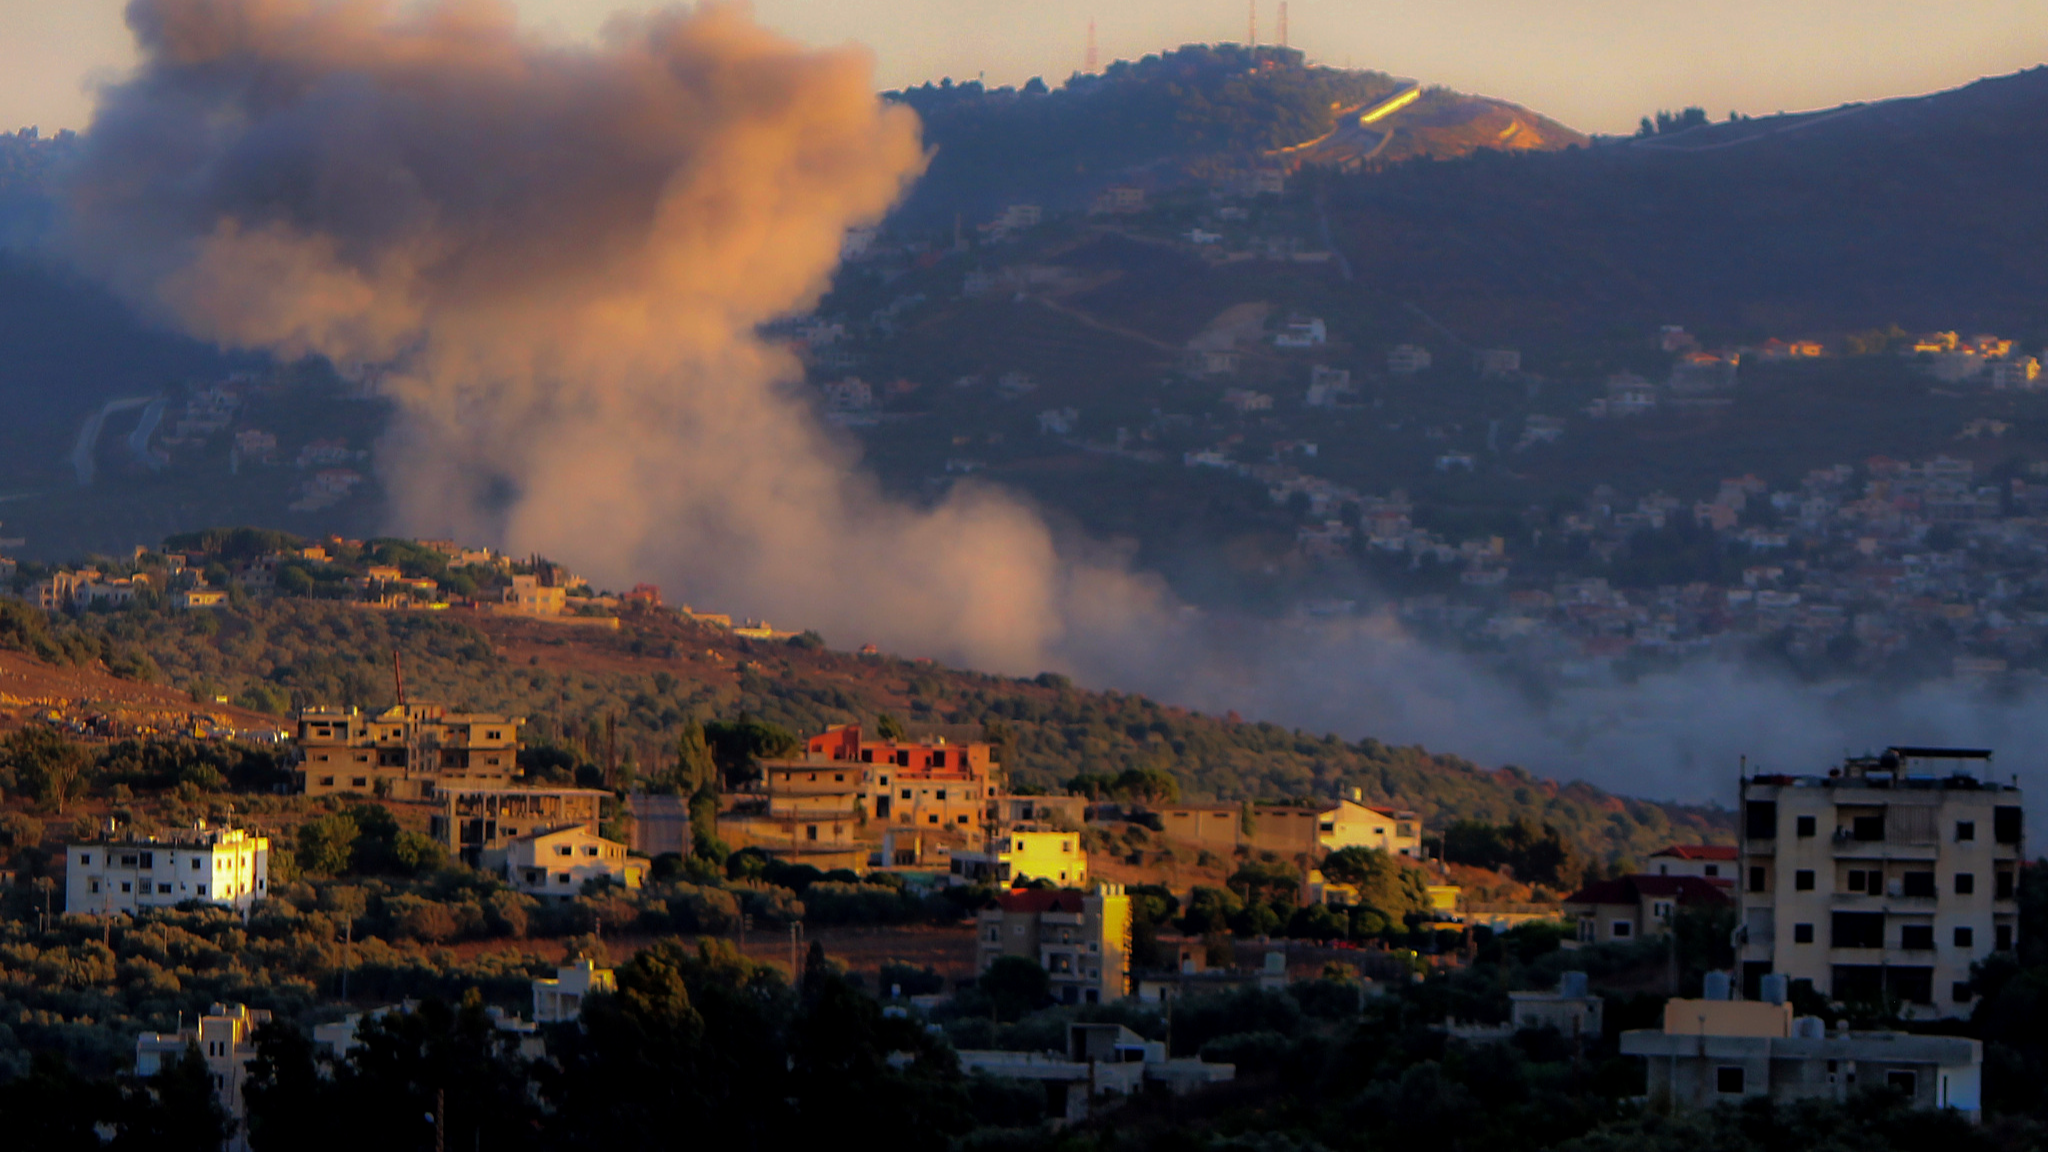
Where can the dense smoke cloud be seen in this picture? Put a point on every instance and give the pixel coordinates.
(555, 259)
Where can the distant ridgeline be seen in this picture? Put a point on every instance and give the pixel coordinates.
(1190, 113)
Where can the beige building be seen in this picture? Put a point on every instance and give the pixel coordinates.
(406, 752)
(1632, 907)
(478, 825)
(558, 864)
(1888, 877)
(1081, 939)
(121, 875)
(1292, 830)
(226, 1039)
(559, 999)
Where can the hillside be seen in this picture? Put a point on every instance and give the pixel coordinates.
(1192, 113)
(660, 670)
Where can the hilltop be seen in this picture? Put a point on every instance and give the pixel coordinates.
(1186, 115)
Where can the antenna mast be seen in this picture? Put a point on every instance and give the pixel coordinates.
(1092, 60)
(1283, 23)
(1251, 37)
(398, 676)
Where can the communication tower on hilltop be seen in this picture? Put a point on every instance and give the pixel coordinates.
(1251, 36)
(1283, 23)
(1089, 67)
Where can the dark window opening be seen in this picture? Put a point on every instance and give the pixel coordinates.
(2003, 886)
(1916, 937)
(1966, 883)
(1857, 930)
(1728, 1081)
(2006, 825)
(2002, 937)
(1966, 937)
(1805, 825)
(1966, 829)
(1802, 933)
(1902, 1081)
(1760, 819)
(1802, 880)
(1867, 827)
(1918, 883)
(1756, 879)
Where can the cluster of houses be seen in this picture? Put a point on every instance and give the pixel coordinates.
(1885, 880)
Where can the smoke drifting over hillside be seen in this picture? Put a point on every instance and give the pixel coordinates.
(554, 259)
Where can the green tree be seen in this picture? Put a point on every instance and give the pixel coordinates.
(327, 844)
(1016, 985)
(45, 766)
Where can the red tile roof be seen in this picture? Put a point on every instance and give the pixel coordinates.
(1632, 889)
(1698, 852)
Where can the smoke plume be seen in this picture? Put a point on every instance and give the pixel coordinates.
(555, 259)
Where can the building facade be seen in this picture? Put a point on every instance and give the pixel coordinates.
(226, 1039)
(558, 864)
(478, 825)
(1714, 862)
(1081, 939)
(558, 999)
(1886, 879)
(1723, 1051)
(1294, 830)
(1631, 907)
(1020, 855)
(121, 875)
(406, 752)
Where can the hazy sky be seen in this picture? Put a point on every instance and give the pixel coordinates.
(1594, 64)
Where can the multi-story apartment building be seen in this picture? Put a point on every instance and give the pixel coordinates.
(226, 1039)
(1081, 939)
(478, 825)
(1020, 855)
(807, 810)
(1886, 878)
(406, 752)
(122, 874)
(558, 864)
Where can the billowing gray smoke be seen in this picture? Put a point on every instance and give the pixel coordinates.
(555, 259)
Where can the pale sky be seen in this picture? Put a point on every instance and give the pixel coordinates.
(1596, 65)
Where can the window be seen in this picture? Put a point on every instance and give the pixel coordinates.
(1756, 879)
(1870, 881)
(2006, 825)
(591, 851)
(127, 887)
(1728, 1080)
(1916, 937)
(1867, 827)
(1713, 869)
(1900, 1080)
(195, 863)
(128, 861)
(1858, 930)
(199, 888)
(163, 889)
(2002, 887)
(839, 777)
(1966, 883)
(93, 886)
(1805, 825)
(1760, 819)
(1918, 884)
(1330, 826)
(810, 831)
(942, 793)
(1661, 909)
(1966, 830)
(2002, 937)
(359, 782)
(1966, 937)
(1621, 929)
(1802, 880)
(1802, 933)
(561, 877)
(564, 850)
(960, 820)
(932, 819)
(906, 793)
(326, 781)
(85, 857)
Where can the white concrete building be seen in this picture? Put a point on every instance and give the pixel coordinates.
(121, 874)
(1715, 1051)
(1101, 1060)
(1888, 877)
(558, 999)
(558, 863)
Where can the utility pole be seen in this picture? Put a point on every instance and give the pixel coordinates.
(1251, 38)
(1092, 59)
(1283, 23)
